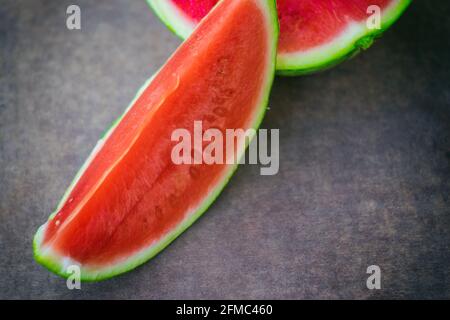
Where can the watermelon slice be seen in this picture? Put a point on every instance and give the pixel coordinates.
(130, 200)
(314, 34)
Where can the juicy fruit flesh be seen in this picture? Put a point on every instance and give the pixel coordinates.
(304, 24)
(310, 23)
(132, 194)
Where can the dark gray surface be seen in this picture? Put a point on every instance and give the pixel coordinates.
(364, 177)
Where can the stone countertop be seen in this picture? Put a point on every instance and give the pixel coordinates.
(364, 162)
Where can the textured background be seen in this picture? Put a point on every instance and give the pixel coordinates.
(364, 177)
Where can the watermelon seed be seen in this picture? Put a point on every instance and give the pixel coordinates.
(228, 93)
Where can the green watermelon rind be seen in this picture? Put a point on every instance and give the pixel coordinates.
(58, 265)
(172, 18)
(340, 52)
(319, 59)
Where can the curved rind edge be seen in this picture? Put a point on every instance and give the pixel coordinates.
(296, 66)
(176, 23)
(55, 264)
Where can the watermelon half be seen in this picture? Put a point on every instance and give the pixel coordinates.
(130, 200)
(314, 34)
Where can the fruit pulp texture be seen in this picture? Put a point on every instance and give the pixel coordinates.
(132, 194)
(304, 24)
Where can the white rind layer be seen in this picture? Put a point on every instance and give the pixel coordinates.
(58, 264)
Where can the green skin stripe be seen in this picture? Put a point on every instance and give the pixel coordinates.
(295, 66)
(57, 264)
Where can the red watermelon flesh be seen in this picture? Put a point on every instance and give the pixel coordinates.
(130, 200)
(304, 24)
(314, 34)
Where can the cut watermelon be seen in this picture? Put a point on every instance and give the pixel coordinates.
(130, 200)
(314, 34)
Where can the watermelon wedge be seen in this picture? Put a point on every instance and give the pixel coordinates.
(130, 200)
(314, 34)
